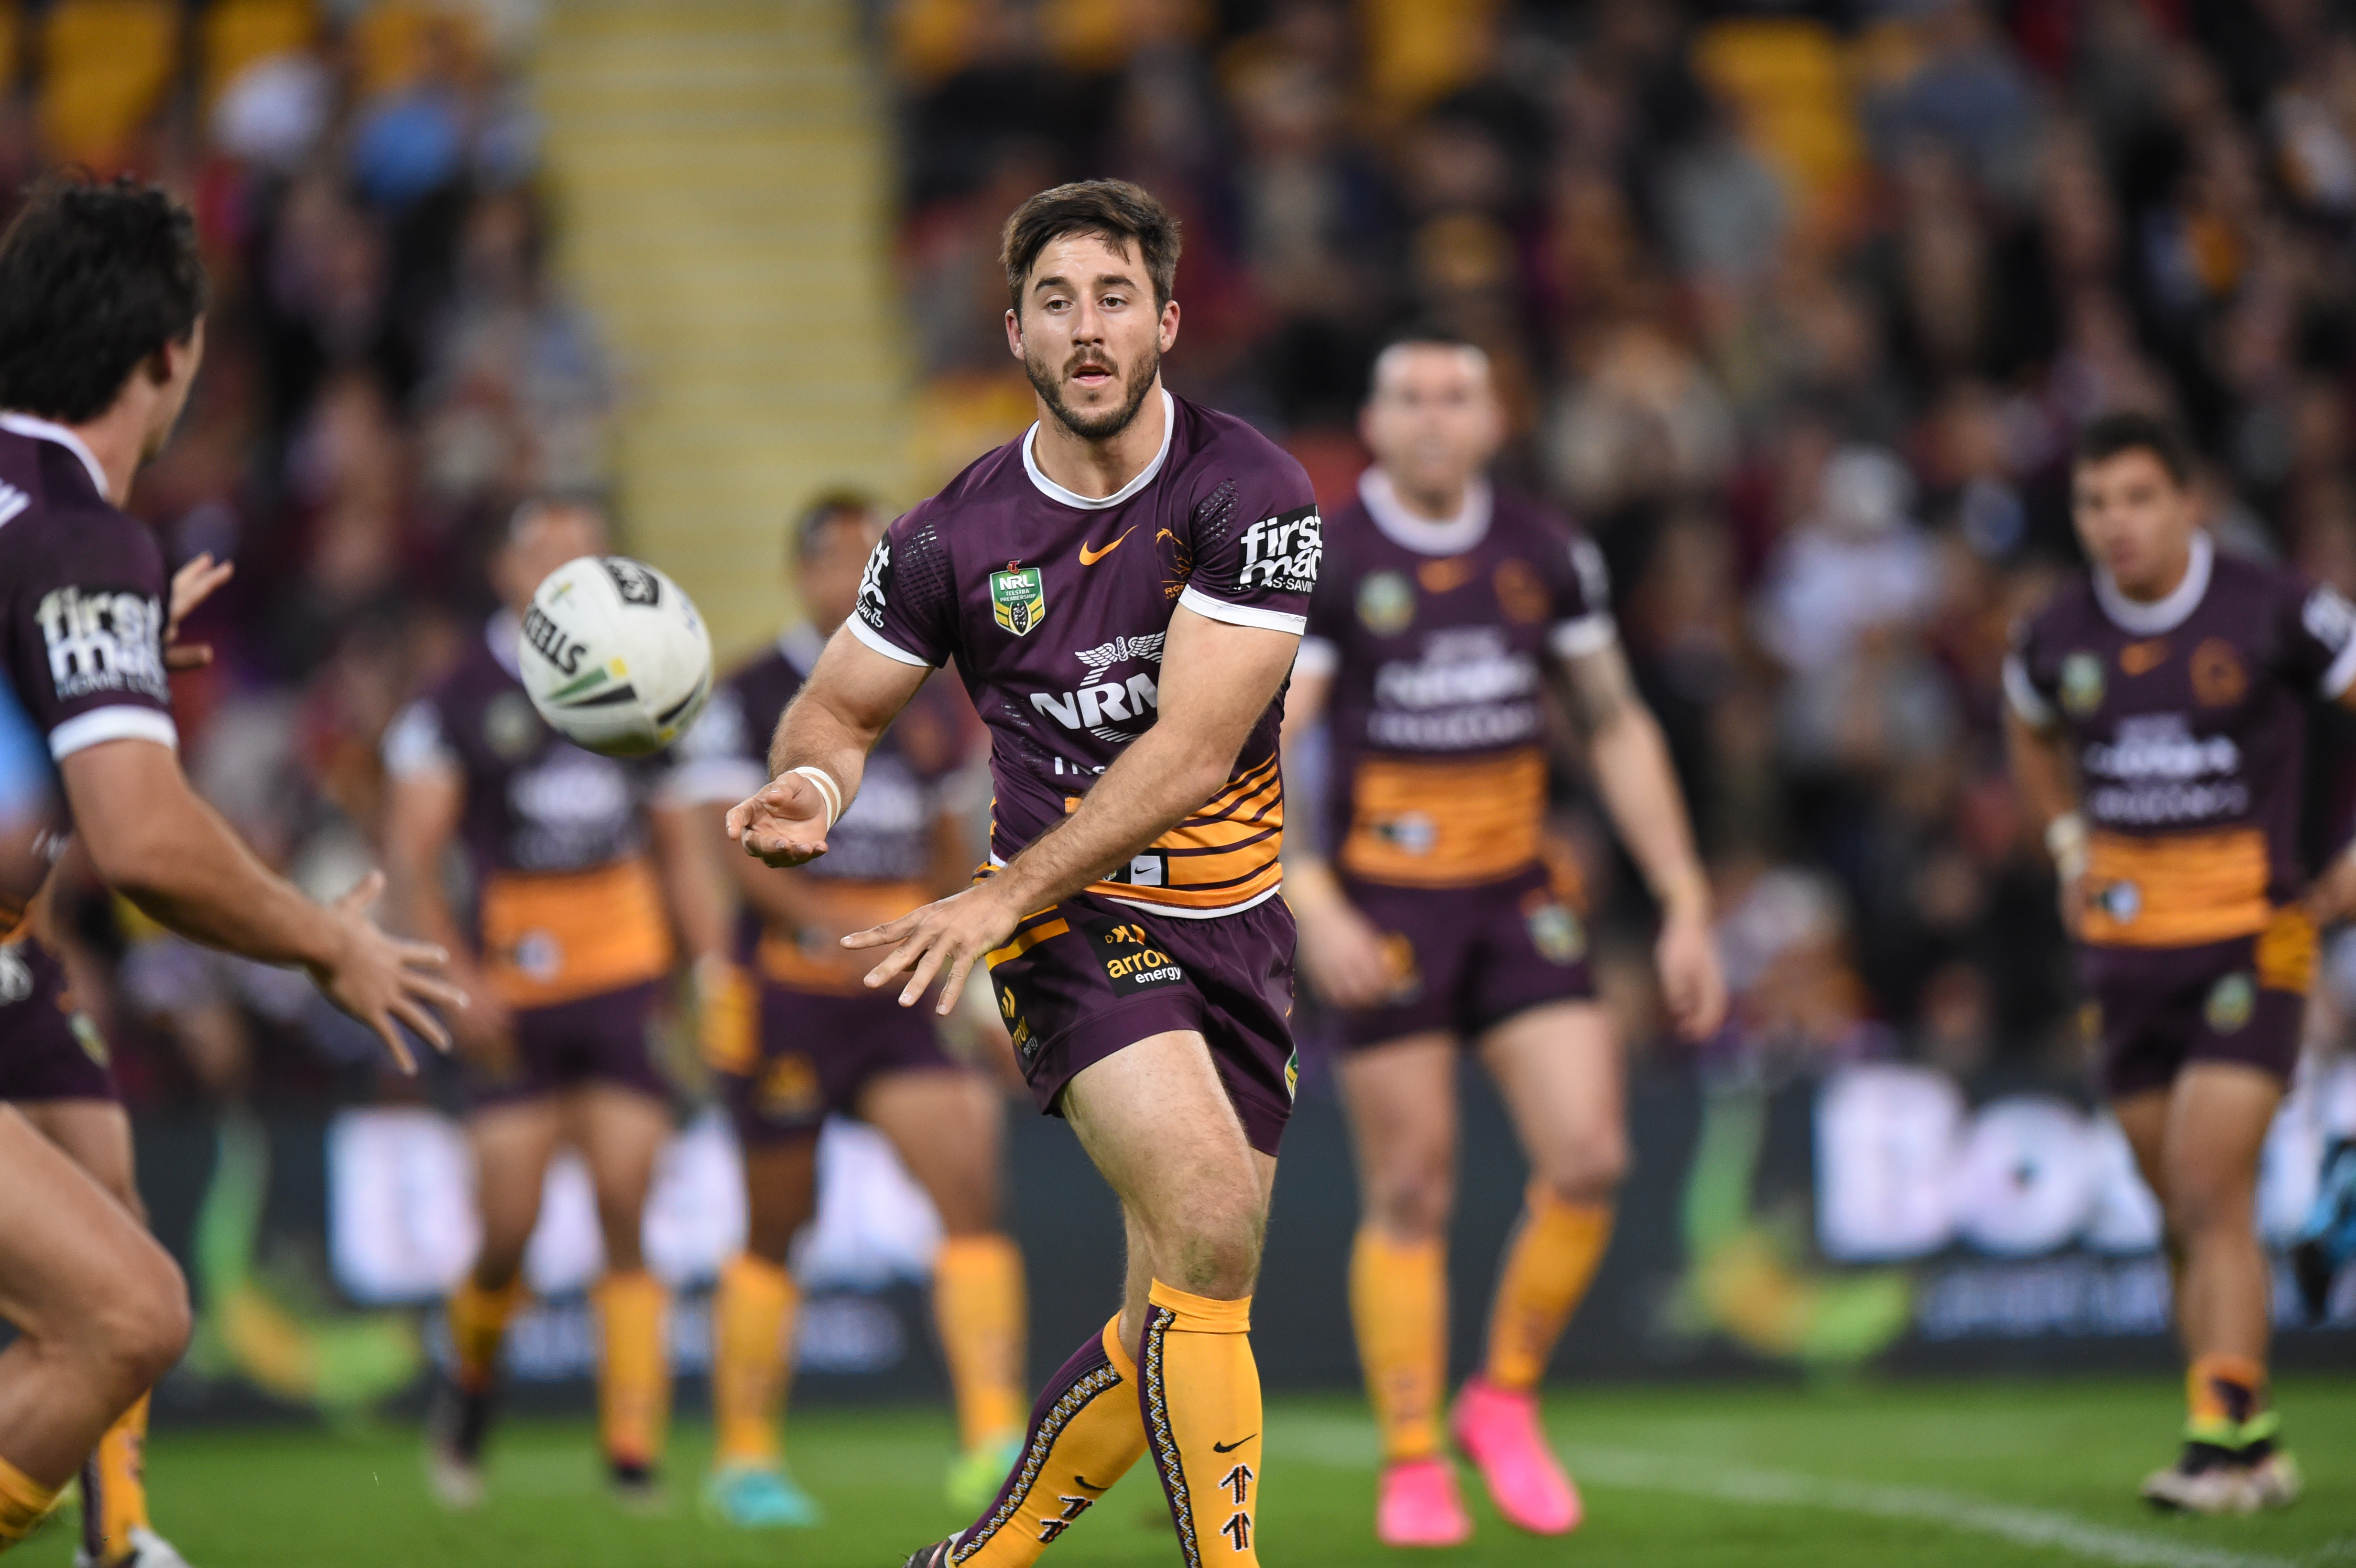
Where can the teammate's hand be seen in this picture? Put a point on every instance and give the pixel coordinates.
(1692, 984)
(1344, 957)
(384, 980)
(2333, 897)
(945, 937)
(191, 586)
(784, 825)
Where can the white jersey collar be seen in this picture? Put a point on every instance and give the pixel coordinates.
(801, 646)
(503, 634)
(2159, 615)
(1055, 492)
(1451, 536)
(49, 430)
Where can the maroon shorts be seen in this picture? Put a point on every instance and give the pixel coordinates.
(49, 1049)
(816, 1052)
(2156, 1010)
(1469, 958)
(607, 1039)
(1091, 976)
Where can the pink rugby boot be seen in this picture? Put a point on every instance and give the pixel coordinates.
(1499, 1432)
(1417, 1505)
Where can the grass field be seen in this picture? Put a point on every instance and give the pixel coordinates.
(1906, 1474)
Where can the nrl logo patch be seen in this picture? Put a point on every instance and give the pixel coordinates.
(1018, 599)
(2231, 1002)
(2082, 683)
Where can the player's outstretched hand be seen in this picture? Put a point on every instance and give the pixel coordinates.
(382, 980)
(784, 825)
(191, 586)
(1692, 984)
(947, 937)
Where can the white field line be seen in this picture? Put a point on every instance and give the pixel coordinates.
(2023, 1526)
(1346, 1444)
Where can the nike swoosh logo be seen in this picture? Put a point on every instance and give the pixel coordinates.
(1231, 1447)
(1090, 556)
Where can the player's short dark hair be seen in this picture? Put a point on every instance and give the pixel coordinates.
(809, 524)
(1417, 335)
(1116, 211)
(95, 278)
(2131, 430)
(539, 501)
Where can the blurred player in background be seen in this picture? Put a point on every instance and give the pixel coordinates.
(2157, 726)
(817, 1043)
(1443, 605)
(578, 879)
(1122, 588)
(101, 329)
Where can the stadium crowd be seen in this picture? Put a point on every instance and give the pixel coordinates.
(1797, 310)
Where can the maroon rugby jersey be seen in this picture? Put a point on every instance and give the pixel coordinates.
(2186, 727)
(1437, 636)
(879, 857)
(1055, 607)
(567, 903)
(82, 605)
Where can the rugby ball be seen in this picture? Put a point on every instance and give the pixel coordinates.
(615, 656)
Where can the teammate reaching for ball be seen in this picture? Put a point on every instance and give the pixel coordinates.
(101, 330)
(1444, 604)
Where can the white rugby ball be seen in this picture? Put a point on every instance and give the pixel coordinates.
(615, 656)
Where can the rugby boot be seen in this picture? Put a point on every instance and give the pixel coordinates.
(1416, 1504)
(148, 1550)
(1498, 1431)
(2274, 1481)
(636, 1485)
(760, 1497)
(937, 1555)
(455, 1430)
(2327, 1240)
(976, 1474)
(2206, 1478)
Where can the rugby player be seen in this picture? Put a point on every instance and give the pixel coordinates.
(578, 875)
(1444, 606)
(1123, 588)
(818, 1041)
(2156, 728)
(101, 330)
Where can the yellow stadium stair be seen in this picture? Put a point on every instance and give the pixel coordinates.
(722, 177)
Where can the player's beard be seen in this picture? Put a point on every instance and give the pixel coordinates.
(1104, 426)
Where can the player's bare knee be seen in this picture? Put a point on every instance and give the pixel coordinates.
(1215, 1249)
(136, 1334)
(1412, 1205)
(1588, 1170)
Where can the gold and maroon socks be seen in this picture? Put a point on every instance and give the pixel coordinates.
(1085, 1434)
(1200, 1390)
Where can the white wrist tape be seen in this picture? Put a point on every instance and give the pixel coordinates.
(831, 791)
(2065, 840)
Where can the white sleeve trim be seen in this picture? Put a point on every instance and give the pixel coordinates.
(1588, 634)
(2342, 672)
(1203, 604)
(708, 779)
(1318, 657)
(2034, 710)
(875, 639)
(119, 721)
